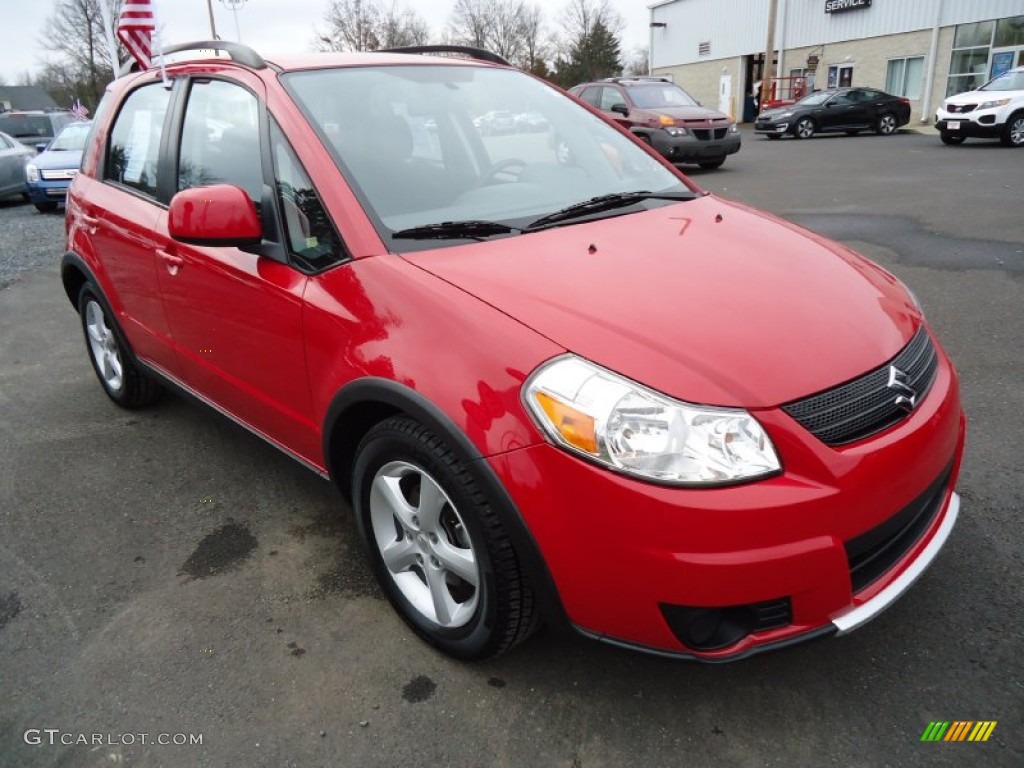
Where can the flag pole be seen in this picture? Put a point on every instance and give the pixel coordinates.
(108, 31)
(213, 27)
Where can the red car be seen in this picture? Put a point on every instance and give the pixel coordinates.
(556, 386)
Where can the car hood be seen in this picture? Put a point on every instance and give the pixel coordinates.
(779, 111)
(708, 301)
(977, 97)
(689, 113)
(62, 159)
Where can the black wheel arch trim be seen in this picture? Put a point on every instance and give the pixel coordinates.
(398, 398)
(72, 260)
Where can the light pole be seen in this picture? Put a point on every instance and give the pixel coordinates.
(233, 6)
(213, 27)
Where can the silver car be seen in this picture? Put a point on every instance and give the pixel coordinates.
(13, 156)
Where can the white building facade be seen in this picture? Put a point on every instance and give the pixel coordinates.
(922, 50)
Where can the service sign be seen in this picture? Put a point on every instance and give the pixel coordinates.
(839, 6)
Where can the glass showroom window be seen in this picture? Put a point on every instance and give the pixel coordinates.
(903, 77)
(968, 67)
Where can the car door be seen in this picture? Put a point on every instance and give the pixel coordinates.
(10, 161)
(120, 209)
(236, 316)
(613, 97)
(838, 113)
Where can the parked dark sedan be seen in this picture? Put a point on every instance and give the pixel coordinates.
(850, 110)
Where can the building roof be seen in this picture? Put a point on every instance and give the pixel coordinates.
(25, 97)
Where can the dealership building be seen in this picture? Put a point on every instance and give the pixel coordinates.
(922, 50)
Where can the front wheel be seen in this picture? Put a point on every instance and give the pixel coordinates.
(46, 207)
(710, 165)
(804, 128)
(886, 125)
(114, 365)
(1013, 131)
(951, 139)
(436, 545)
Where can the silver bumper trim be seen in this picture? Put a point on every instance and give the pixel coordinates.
(862, 614)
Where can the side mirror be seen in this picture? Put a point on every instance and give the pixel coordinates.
(220, 214)
(621, 109)
(41, 147)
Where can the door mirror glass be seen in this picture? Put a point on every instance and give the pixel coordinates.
(220, 214)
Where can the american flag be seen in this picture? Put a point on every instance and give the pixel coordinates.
(135, 29)
(79, 111)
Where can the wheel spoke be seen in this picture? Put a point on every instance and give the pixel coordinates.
(115, 364)
(444, 605)
(458, 561)
(388, 492)
(94, 333)
(399, 555)
(432, 501)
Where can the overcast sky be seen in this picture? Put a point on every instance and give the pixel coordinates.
(270, 26)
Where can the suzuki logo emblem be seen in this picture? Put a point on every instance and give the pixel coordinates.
(906, 395)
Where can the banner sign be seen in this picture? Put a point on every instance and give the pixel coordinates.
(839, 6)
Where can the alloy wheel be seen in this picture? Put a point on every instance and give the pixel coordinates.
(103, 347)
(424, 544)
(886, 125)
(1017, 132)
(805, 129)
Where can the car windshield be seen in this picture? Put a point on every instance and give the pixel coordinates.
(1008, 81)
(816, 98)
(26, 126)
(71, 138)
(660, 95)
(410, 142)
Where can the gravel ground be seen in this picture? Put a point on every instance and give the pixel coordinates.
(28, 239)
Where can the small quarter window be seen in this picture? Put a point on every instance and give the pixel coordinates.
(134, 151)
(311, 238)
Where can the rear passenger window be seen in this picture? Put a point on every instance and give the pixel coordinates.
(312, 240)
(220, 139)
(135, 139)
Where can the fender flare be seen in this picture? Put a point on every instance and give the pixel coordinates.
(364, 402)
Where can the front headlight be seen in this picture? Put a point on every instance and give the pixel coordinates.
(31, 172)
(994, 103)
(672, 130)
(785, 114)
(627, 427)
(734, 128)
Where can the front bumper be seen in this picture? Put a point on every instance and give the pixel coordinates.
(979, 124)
(625, 555)
(769, 127)
(690, 149)
(48, 191)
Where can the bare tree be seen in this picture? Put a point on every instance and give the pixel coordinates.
(579, 17)
(470, 22)
(635, 62)
(366, 25)
(511, 28)
(74, 32)
(403, 27)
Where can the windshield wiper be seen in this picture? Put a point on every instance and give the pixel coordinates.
(604, 203)
(454, 230)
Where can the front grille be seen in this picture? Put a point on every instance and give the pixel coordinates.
(961, 108)
(864, 406)
(58, 175)
(873, 553)
(701, 134)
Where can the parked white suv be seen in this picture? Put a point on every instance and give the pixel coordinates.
(995, 110)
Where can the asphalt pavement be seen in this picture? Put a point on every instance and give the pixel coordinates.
(164, 573)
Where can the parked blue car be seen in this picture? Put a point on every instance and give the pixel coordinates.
(50, 173)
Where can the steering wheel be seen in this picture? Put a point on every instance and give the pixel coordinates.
(502, 167)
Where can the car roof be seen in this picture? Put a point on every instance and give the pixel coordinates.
(293, 62)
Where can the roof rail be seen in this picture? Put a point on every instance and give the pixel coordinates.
(639, 78)
(239, 52)
(474, 53)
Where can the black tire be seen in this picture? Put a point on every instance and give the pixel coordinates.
(804, 128)
(710, 165)
(133, 389)
(504, 609)
(852, 133)
(24, 197)
(886, 125)
(951, 139)
(1013, 131)
(48, 207)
